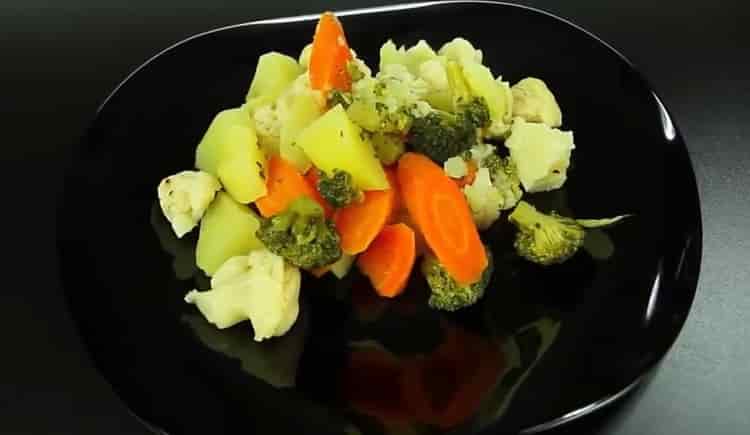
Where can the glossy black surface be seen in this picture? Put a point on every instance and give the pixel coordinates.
(616, 318)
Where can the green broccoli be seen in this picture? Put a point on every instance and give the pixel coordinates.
(336, 97)
(442, 135)
(301, 235)
(545, 239)
(447, 294)
(476, 111)
(388, 147)
(338, 189)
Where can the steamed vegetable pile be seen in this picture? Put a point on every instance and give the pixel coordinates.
(327, 165)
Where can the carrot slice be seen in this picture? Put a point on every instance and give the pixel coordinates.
(471, 174)
(358, 224)
(312, 179)
(389, 259)
(284, 185)
(442, 215)
(330, 55)
(398, 203)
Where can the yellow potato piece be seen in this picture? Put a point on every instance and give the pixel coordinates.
(227, 230)
(229, 150)
(333, 141)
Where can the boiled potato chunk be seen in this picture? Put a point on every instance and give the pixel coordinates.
(274, 73)
(229, 150)
(333, 141)
(227, 230)
(300, 110)
(482, 84)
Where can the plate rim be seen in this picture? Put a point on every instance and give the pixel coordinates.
(671, 130)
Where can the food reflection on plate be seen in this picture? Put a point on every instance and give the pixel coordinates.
(274, 362)
(466, 375)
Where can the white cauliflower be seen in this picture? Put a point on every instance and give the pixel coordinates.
(357, 68)
(541, 154)
(484, 199)
(456, 167)
(270, 115)
(461, 50)
(495, 187)
(400, 84)
(268, 127)
(185, 196)
(260, 287)
(500, 127)
(434, 74)
(386, 103)
(534, 102)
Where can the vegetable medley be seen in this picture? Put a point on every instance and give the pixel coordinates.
(328, 165)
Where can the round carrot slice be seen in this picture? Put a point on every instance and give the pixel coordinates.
(442, 215)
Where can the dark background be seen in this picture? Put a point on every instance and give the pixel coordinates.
(59, 59)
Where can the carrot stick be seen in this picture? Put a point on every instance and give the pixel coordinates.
(389, 259)
(358, 224)
(312, 179)
(284, 185)
(442, 215)
(329, 56)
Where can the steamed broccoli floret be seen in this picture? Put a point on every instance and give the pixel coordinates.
(301, 235)
(388, 147)
(495, 185)
(447, 294)
(336, 97)
(545, 239)
(338, 189)
(442, 135)
(504, 176)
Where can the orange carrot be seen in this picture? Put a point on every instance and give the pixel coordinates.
(389, 259)
(312, 179)
(330, 55)
(284, 185)
(471, 173)
(358, 224)
(390, 173)
(443, 217)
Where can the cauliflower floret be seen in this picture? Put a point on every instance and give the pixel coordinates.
(484, 199)
(456, 167)
(461, 50)
(260, 287)
(495, 187)
(434, 74)
(541, 154)
(388, 102)
(534, 102)
(184, 197)
(268, 127)
(400, 84)
(500, 127)
(357, 68)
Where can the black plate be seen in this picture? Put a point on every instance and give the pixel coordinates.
(543, 347)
